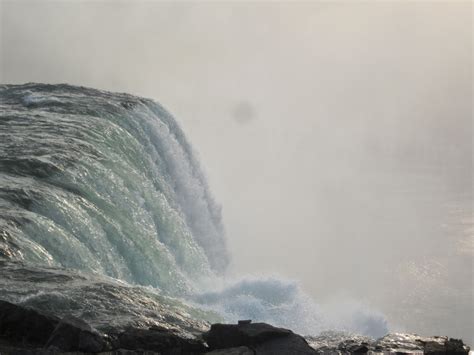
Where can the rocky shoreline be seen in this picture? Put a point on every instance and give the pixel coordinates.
(25, 331)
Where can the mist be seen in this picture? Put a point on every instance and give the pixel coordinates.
(337, 136)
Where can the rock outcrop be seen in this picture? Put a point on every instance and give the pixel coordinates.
(73, 334)
(158, 340)
(262, 338)
(24, 331)
(395, 343)
(24, 326)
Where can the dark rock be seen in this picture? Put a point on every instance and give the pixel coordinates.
(291, 344)
(358, 349)
(245, 321)
(24, 325)
(443, 345)
(354, 347)
(434, 348)
(231, 335)
(163, 341)
(127, 352)
(241, 350)
(73, 334)
(261, 337)
(159, 328)
(456, 346)
(24, 331)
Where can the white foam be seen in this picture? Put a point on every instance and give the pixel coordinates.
(282, 302)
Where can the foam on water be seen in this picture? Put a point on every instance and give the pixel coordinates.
(282, 302)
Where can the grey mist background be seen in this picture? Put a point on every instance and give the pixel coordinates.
(336, 135)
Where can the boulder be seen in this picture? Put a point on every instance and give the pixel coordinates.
(23, 325)
(262, 338)
(222, 336)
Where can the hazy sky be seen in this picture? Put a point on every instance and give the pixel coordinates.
(336, 135)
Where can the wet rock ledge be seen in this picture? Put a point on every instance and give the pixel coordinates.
(24, 331)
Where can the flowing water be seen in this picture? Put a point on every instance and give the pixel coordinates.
(105, 213)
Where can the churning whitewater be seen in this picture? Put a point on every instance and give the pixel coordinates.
(104, 190)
